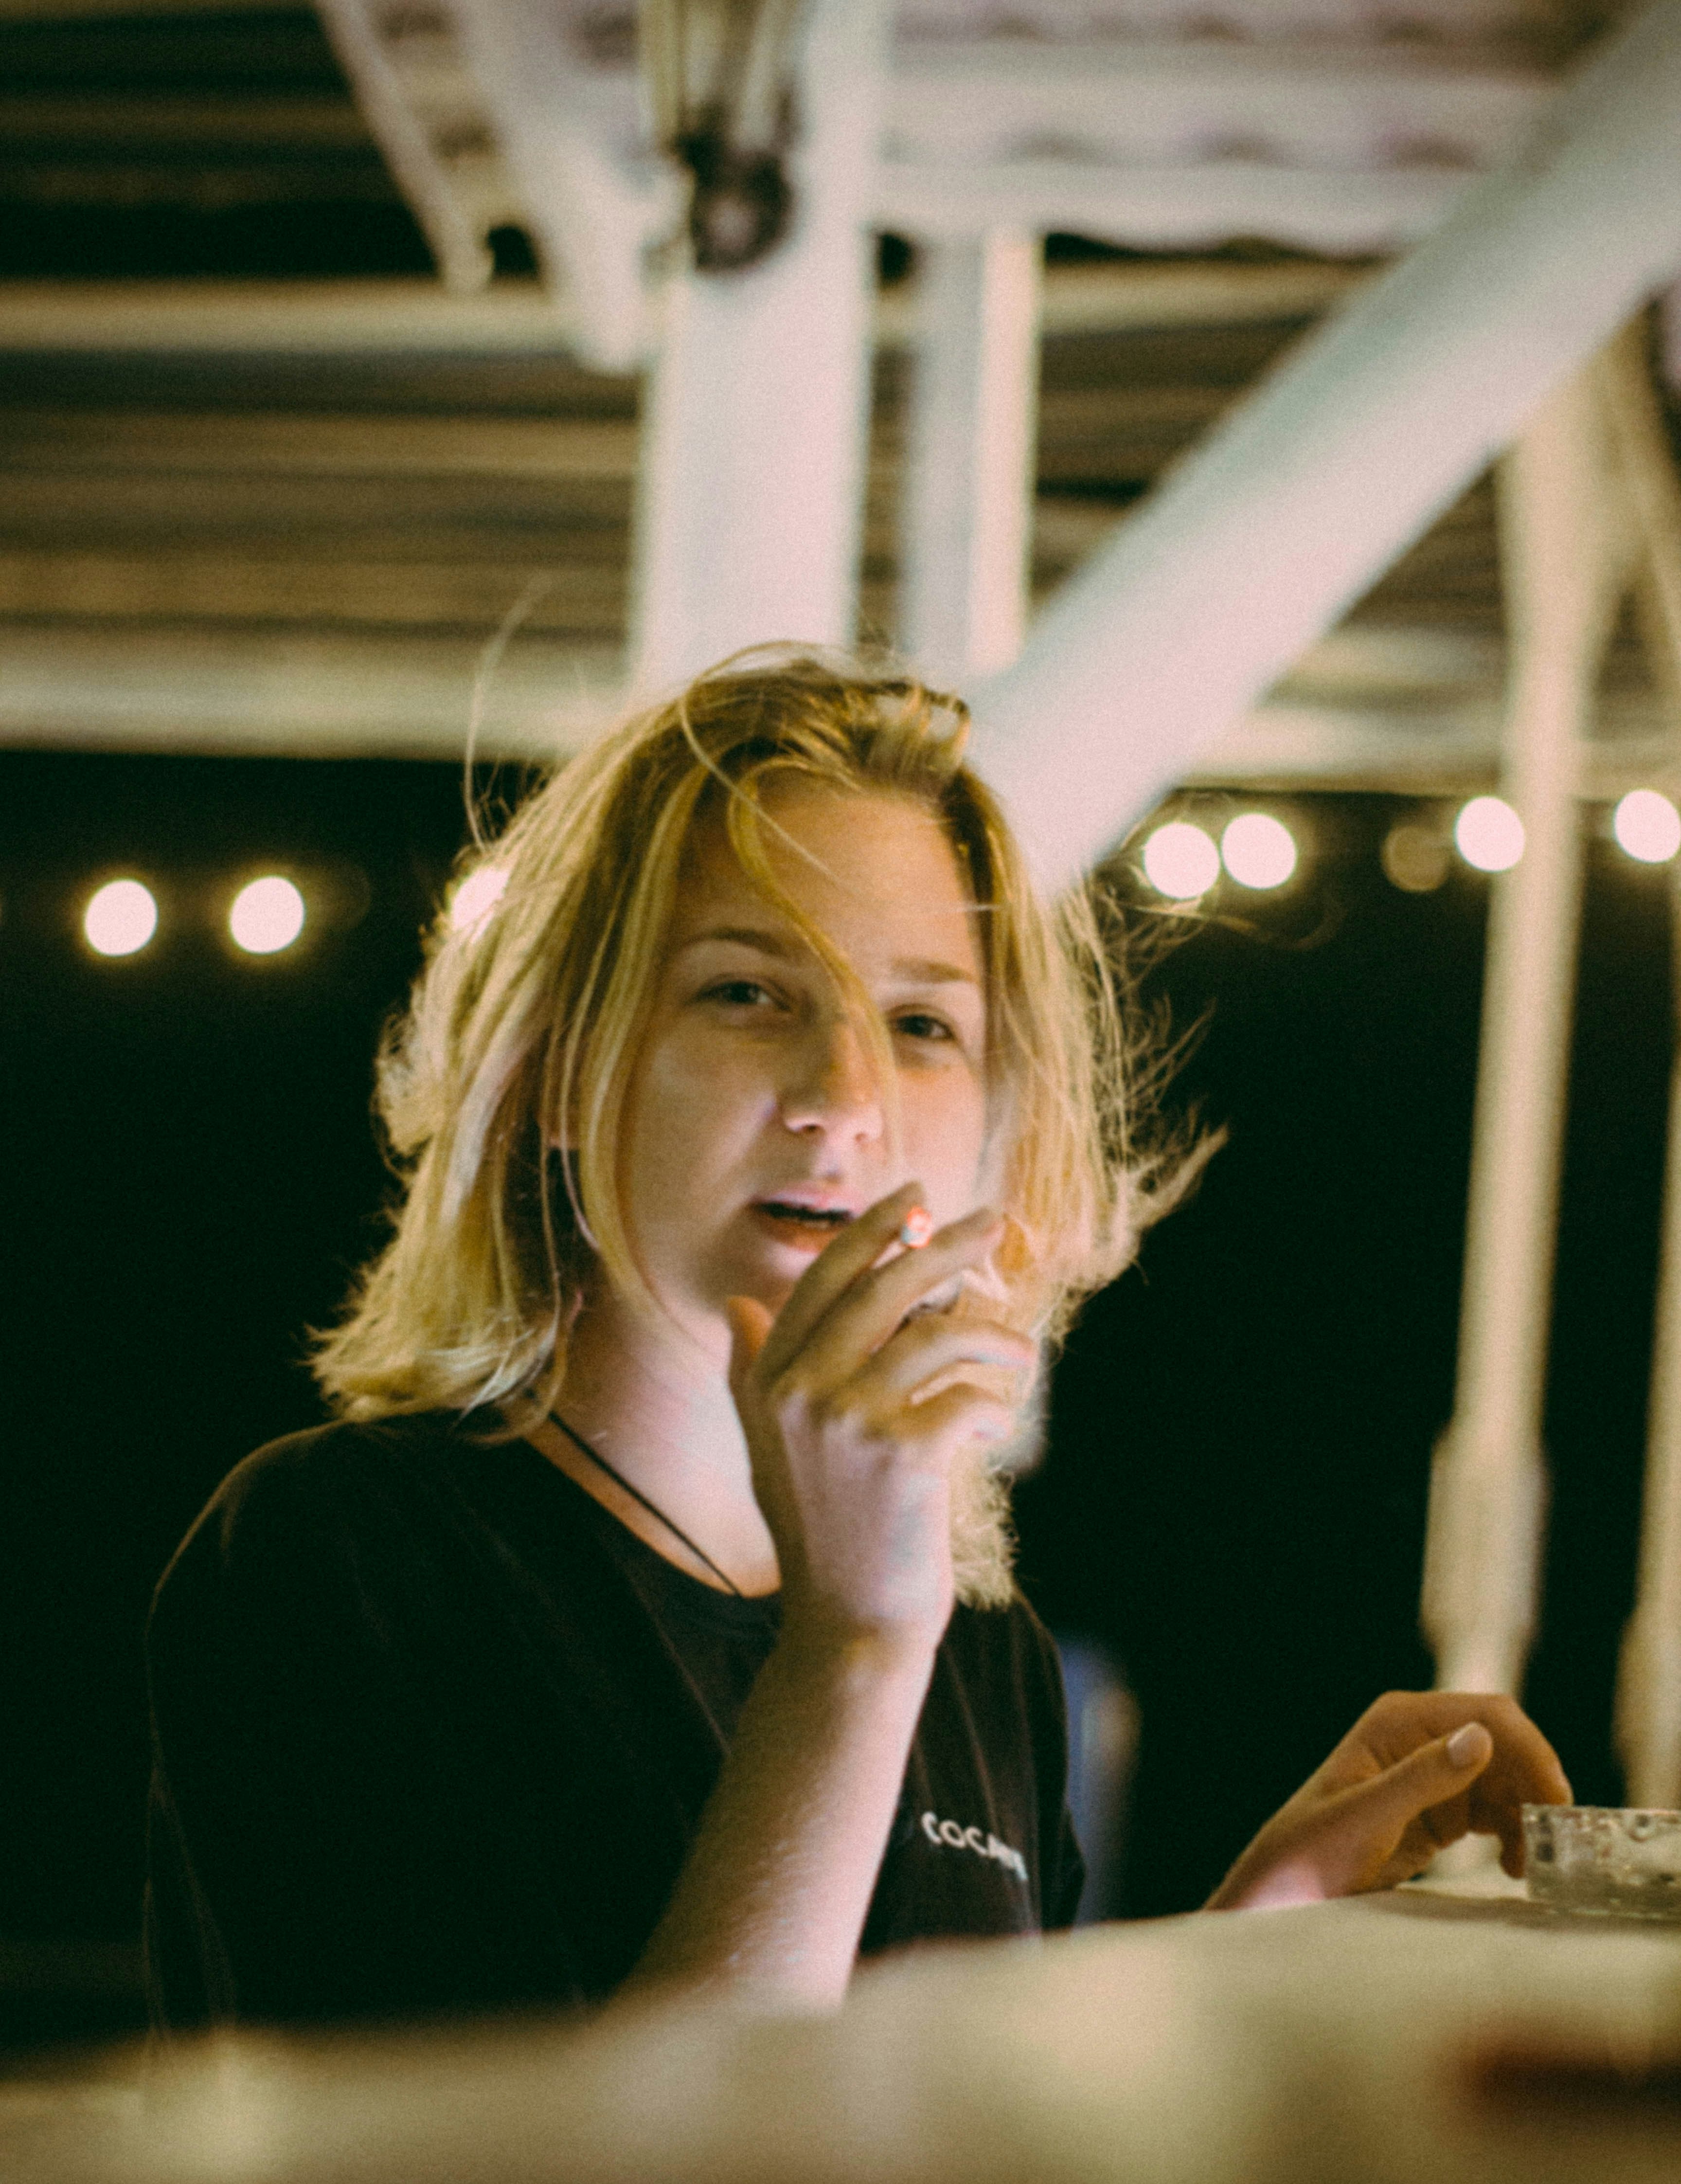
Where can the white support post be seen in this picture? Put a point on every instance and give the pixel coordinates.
(1669, 334)
(1309, 490)
(967, 518)
(1649, 1679)
(1487, 1492)
(751, 483)
(1649, 1684)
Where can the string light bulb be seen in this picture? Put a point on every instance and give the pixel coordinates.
(1180, 860)
(1647, 826)
(1258, 850)
(1488, 834)
(119, 918)
(266, 915)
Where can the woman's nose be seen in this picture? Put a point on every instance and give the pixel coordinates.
(834, 1090)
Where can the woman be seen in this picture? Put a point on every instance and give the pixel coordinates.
(648, 1617)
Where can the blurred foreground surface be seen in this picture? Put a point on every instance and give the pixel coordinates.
(1347, 2041)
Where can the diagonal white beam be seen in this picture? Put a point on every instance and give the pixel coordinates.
(1293, 508)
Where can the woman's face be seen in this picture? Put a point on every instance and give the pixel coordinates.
(756, 1125)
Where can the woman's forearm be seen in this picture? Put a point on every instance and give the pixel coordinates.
(772, 1898)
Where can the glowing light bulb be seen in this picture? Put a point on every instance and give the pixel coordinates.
(1648, 826)
(1415, 857)
(1180, 861)
(1258, 850)
(1489, 834)
(267, 915)
(120, 918)
(476, 898)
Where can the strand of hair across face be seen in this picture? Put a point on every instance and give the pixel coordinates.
(652, 1508)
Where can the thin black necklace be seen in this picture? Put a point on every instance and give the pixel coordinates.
(652, 1508)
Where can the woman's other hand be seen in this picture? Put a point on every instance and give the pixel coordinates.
(854, 1405)
(1418, 1770)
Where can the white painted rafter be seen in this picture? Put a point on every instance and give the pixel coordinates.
(1368, 213)
(1516, 23)
(1315, 126)
(392, 314)
(1190, 101)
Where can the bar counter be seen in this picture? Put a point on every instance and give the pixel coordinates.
(1405, 2038)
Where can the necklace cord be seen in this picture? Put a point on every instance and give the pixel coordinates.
(652, 1507)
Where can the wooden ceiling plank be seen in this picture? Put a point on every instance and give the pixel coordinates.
(304, 443)
(175, 586)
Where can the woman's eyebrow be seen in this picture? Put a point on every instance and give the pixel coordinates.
(912, 970)
(746, 936)
(923, 971)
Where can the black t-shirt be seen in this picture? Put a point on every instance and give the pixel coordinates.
(432, 1732)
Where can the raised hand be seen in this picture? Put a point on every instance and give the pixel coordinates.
(854, 1405)
(1418, 1770)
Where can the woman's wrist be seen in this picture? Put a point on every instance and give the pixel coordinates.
(824, 1648)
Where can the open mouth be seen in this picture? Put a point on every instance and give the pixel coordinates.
(824, 1218)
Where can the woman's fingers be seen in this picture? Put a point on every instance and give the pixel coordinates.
(931, 1434)
(852, 1253)
(1368, 1825)
(1524, 1765)
(1416, 1772)
(925, 1348)
(877, 1302)
(1368, 1835)
(854, 1406)
(1522, 1770)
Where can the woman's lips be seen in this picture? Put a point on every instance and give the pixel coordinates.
(805, 1228)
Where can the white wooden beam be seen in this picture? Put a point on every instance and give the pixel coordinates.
(967, 506)
(378, 317)
(1351, 143)
(1649, 1679)
(1367, 212)
(753, 465)
(1669, 334)
(402, 315)
(1649, 1684)
(295, 693)
(1125, 100)
(1260, 541)
(244, 663)
(1487, 1489)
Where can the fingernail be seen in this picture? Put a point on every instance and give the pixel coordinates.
(1465, 1745)
(917, 1228)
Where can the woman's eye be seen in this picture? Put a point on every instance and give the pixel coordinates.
(916, 1023)
(738, 993)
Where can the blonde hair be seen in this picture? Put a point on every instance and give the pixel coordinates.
(526, 1021)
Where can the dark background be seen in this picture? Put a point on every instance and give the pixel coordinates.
(1240, 1430)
